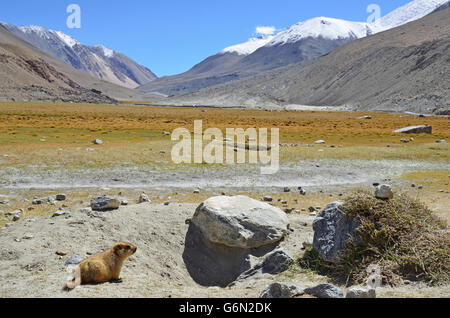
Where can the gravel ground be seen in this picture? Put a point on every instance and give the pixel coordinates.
(29, 265)
(325, 173)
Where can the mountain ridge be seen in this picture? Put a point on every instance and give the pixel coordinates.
(403, 69)
(300, 42)
(98, 61)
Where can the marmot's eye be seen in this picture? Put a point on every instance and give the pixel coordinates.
(127, 247)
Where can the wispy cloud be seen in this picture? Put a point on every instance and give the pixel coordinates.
(265, 30)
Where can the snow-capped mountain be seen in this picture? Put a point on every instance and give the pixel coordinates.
(409, 12)
(321, 27)
(98, 60)
(300, 42)
(249, 46)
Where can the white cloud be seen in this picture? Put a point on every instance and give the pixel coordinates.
(265, 30)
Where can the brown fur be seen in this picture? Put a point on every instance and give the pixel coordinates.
(102, 267)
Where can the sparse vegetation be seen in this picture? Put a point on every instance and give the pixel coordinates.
(402, 236)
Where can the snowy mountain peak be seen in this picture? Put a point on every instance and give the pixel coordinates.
(106, 52)
(249, 46)
(411, 11)
(43, 33)
(327, 28)
(70, 41)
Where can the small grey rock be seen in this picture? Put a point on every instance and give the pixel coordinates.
(384, 192)
(143, 198)
(104, 204)
(358, 292)
(58, 213)
(325, 291)
(74, 260)
(277, 290)
(61, 197)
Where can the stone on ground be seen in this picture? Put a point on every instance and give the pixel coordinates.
(332, 231)
(105, 203)
(325, 291)
(384, 192)
(359, 292)
(277, 290)
(422, 129)
(240, 221)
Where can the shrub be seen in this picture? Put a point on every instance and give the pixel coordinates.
(401, 236)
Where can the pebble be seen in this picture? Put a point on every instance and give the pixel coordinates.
(267, 199)
(166, 203)
(197, 191)
(97, 142)
(61, 197)
(74, 260)
(61, 252)
(58, 213)
(144, 198)
(28, 236)
(16, 218)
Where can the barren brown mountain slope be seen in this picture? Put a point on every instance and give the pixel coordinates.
(26, 73)
(403, 69)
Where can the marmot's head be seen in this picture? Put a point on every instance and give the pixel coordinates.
(124, 250)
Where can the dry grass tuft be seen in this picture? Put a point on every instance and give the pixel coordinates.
(401, 236)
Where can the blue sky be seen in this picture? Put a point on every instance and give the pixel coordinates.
(171, 36)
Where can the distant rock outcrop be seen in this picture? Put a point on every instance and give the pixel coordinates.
(422, 129)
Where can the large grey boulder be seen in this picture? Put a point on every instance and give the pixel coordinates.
(422, 129)
(325, 291)
(105, 204)
(240, 221)
(332, 231)
(277, 290)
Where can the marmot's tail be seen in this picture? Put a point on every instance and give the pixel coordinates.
(76, 281)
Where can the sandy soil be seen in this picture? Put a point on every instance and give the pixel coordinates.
(29, 265)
